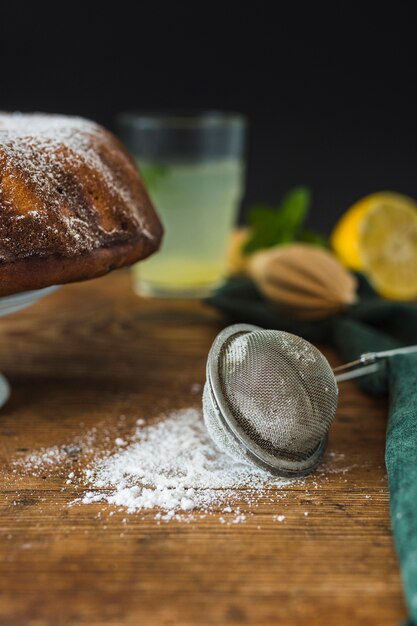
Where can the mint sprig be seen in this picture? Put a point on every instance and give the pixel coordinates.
(272, 226)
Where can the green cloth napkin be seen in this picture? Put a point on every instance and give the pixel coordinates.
(371, 324)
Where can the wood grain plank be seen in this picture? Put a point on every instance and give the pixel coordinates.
(93, 352)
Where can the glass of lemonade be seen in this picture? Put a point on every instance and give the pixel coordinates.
(193, 168)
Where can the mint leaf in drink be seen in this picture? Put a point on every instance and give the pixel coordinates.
(153, 173)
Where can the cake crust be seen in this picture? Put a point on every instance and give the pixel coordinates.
(72, 204)
(36, 273)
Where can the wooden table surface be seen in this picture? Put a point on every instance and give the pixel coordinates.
(93, 352)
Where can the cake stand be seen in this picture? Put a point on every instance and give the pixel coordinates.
(12, 304)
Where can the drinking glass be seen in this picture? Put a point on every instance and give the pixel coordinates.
(193, 167)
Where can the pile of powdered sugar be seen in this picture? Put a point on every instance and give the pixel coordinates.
(172, 466)
(169, 469)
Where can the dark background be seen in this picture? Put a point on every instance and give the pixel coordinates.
(330, 92)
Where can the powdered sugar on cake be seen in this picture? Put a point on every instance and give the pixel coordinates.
(69, 176)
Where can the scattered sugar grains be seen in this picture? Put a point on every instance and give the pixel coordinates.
(170, 467)
(173, 467)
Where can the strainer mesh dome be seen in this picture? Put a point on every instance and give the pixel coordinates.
(280, 391)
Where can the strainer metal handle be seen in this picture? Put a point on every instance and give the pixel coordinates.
(368, 363)
(270, 396)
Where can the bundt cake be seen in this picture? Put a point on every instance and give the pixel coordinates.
(72, 204)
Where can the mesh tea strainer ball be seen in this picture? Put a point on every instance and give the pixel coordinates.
(270, 397)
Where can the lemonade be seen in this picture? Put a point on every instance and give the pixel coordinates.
(198, 204)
